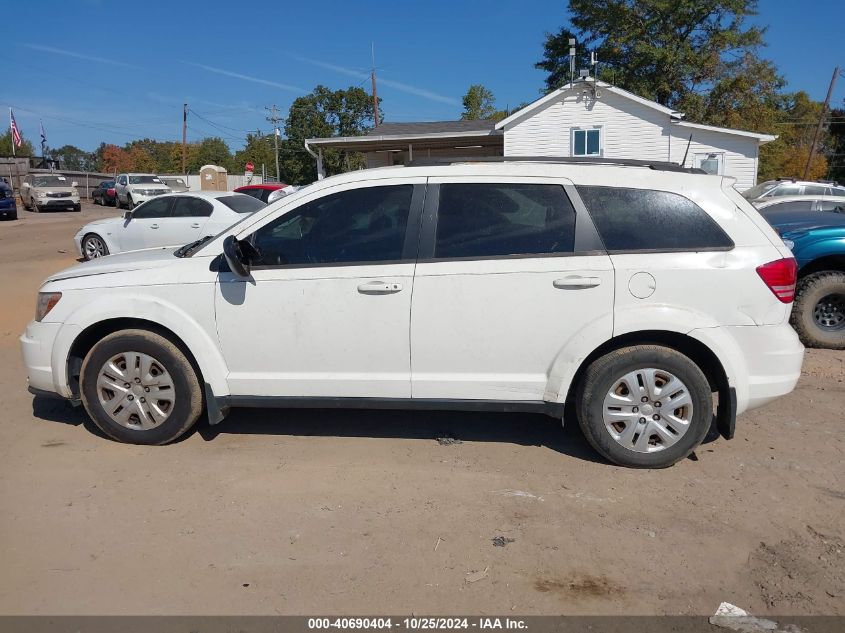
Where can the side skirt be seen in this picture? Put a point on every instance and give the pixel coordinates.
(222, 404)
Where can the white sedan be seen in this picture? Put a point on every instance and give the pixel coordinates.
(168, 220)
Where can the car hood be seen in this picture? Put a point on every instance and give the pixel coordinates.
(792, 221)
(119, 219)
(146, 259)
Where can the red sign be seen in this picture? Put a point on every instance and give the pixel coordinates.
(250, 167)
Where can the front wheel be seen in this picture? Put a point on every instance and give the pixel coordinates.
(819, 311)
(644, 406)
(77, 207)
(93, 246)
(138, 387)
(129, 203)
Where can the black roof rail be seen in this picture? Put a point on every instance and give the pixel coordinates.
(561, 160)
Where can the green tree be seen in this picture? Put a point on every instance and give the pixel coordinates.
(75, 159)
(689, 55)
(6, 146)
(795, 121)
(479, 103)
(324, 113)
(836, 153)
(258, 150)
(209, 151)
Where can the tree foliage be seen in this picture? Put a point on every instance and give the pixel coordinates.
(73, 158)
(324, 113)
(25, 149)
(479, 103)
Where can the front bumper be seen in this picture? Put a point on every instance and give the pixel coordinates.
(37, 349)
(57, 203)
(138, 198)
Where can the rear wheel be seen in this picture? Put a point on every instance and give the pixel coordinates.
(644, 406)
(129, 202)
(819, 311)
(95, 200)
(139, 388)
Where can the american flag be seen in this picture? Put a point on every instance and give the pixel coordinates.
(16, 133)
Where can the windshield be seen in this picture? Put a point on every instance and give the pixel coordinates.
(241, 203)
(759, 190)
(144, 180)
(51, 181)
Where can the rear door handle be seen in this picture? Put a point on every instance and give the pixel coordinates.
(379, 288)
(576, 282)
(195, 225)
(153, 226)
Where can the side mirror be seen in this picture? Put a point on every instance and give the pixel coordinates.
(127, 216)
(235, 257)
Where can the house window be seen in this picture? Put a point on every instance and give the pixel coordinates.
(586, 142)
(712, 162)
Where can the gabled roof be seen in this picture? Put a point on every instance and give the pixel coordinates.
(599, 84)
(763, 138)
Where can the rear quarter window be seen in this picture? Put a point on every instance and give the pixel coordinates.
(650, 220)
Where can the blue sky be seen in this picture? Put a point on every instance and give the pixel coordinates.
(95, 70)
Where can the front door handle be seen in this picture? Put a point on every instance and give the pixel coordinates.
(379, 288)
(195, 225)
(576, 282)
(153, 226)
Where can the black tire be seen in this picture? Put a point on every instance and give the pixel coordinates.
(117, 204)
(37, 208)
(599, 379)
(77, 207)
(90, 236)
(129, 203)
(94, 200)
(810, 292)
(188, 399)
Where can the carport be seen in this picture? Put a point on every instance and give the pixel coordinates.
(400, 143)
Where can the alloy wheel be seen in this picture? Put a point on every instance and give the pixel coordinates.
(647, 410)
(94, 247)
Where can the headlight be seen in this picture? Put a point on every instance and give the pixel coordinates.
(789, 244)
(46, 302)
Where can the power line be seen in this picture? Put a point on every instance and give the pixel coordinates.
(274, 118)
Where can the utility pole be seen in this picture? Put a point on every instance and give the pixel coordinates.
(274, 118)
(375, 94)
(184, 136)
(821, 122)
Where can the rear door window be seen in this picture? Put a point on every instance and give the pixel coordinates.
(190, 207)
(650, 220)
(816, 190)
(792, 205)
(786, 190)
(499, 219)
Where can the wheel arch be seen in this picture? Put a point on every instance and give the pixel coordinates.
(211, 376)
(833, 263)
(694, 349)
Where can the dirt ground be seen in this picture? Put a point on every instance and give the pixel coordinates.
(360, 512)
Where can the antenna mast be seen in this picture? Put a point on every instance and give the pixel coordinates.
(571, 60)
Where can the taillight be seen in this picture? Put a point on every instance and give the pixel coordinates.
(780, 276)
(110, 191)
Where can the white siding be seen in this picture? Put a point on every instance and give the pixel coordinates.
(629, 129)
(740, 152)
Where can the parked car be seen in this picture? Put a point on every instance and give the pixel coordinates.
(168, 220)
(792, 187)
(40, 192)
(634, 293)
(8, 206)
(133, 189)
(176, 183)
(267, 193)
(817, 240)
(835, 204)
(104, 194)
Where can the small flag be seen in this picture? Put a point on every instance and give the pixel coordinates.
(43, 137)
(16, 133)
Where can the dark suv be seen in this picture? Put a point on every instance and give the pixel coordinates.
(8, 206)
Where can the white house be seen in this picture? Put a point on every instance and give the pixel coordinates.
(585, 118)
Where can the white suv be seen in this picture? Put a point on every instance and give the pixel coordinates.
(636, 294)
(130, 190)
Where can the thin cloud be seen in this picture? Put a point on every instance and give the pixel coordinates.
(257, 80)
(90, 58)
(402, 87)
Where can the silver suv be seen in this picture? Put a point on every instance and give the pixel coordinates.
(792, 187)
(40, 192)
